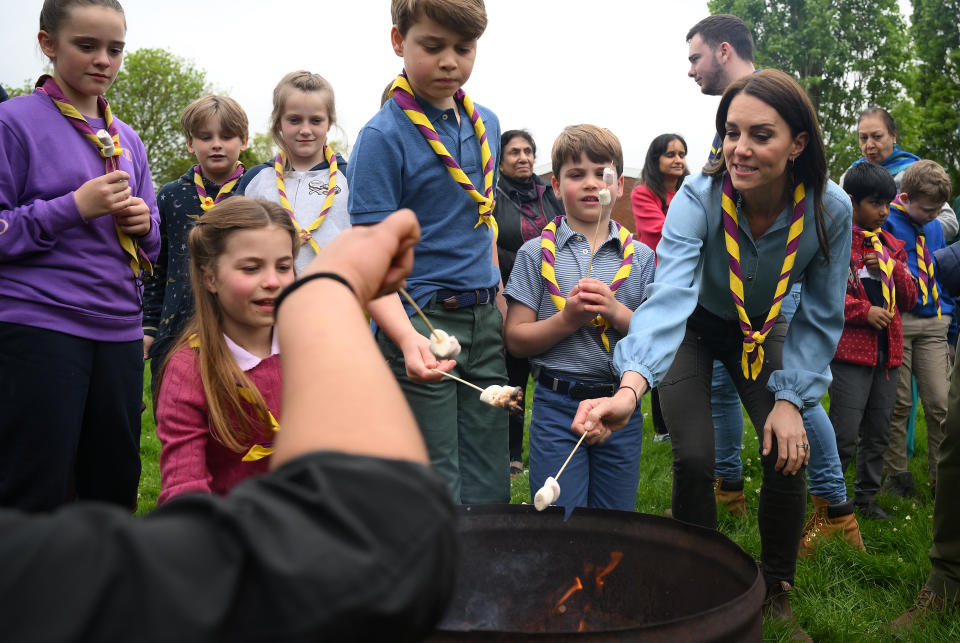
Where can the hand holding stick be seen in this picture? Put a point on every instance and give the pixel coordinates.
(442, 345)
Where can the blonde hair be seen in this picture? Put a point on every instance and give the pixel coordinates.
(304, 81)
(230, 424)
(468, 18)
(599, 144)
(233, 120)
(926, 179)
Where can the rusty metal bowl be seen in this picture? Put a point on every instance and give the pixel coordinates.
(600, 576)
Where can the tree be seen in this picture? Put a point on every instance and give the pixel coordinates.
(848, 55)
(150, 93)
(260, 149)
(935, 87)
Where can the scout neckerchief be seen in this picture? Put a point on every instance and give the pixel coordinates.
(927, 278)
(752, 358)
(205, 201)
(262, 449)
(306, 234)
(548, 248)
(402, 93)
(138, 260)
(886, 266)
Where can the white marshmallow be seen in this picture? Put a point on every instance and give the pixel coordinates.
(548, 494)
(609, 176)
(490, 394)
(443, 345)
(106, 140)
(604, 196)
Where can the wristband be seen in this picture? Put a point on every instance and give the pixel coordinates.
(632, 390)
(299, 282)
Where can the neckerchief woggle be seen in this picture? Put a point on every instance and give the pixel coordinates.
(139, 262)
(402, 94)
(306, 234)
(885, 260)
(205, 201)
(927, 277)
(751, 360)
(261, 449)
(548, 251)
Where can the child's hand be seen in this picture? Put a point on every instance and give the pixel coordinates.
(575, 312)
(134, 219)
(419, 360)
(103, 195)
(879, 318)
(147, 343)
(870, 260)
(598, 297)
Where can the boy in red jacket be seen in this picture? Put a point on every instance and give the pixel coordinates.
(870, 351)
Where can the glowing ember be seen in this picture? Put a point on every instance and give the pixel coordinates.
(576, 587)
(590, 570)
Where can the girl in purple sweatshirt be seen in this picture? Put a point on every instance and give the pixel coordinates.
(78, 228)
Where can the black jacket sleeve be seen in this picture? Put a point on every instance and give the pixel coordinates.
(329, 547)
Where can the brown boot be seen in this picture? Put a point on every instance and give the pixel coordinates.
(776, 606)
(928, 604)
(729, 493)
(827, 520)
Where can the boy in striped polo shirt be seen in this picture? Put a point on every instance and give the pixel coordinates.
(571, 296)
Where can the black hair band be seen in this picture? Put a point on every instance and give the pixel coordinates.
(299, 282)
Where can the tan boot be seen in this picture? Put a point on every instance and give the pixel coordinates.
(827, 520)
(929, 604)
(776, 606)
(730, 494)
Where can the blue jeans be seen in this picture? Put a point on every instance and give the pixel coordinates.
(727, 425)
(603, 475)
(824, 474)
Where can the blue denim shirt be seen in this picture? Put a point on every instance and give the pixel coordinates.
(392, 166)
(693, 269)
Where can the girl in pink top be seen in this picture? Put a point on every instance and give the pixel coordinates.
(219, 396)
(663, 172)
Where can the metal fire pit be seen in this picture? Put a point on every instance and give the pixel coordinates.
(601, 576)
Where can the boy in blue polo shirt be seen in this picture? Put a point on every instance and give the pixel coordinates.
(925, 187)
(431, 149)
(568, 322)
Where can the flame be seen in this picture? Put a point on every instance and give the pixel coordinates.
(615, 558)
(576, 587)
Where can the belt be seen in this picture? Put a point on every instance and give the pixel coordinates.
(576, 390)
(454, 299)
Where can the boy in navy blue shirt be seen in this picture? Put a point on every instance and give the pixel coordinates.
(432, 150)
(572, 294)
(913, 214)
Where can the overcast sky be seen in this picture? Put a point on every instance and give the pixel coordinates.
(541, 65)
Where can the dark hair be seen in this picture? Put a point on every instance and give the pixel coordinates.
(511, 134)
(468, 18)
(784, 94)
(600, 146)
(54, 12)
(865, 180)
(725, 27)
(884, 116)
(651, 176)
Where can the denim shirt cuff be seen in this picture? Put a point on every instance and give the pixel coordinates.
(789, 396)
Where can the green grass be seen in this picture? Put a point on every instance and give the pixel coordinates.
(841, 594)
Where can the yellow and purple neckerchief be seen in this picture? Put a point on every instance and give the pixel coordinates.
(751, 359)
(306, 234)
(205, 201)
(402, 94)
(139, 262)
(259, 450)
(885, 259)
(548, 250)
(927, 278)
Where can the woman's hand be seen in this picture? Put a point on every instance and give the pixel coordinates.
(793, 450)
(103, 195)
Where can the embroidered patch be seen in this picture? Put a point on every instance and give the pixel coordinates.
(320, 187)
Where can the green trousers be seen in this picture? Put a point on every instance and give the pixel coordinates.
(944, 576)
(467, 439)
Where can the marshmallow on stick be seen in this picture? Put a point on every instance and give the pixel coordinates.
(107, 141)
(547, 495)
(505, 397)
(609, 178)
(443, 345)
